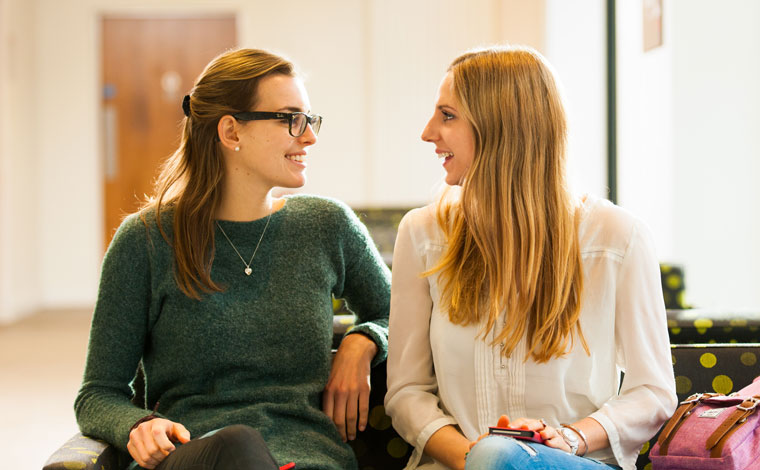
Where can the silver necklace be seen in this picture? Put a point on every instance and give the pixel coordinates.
(248, 269)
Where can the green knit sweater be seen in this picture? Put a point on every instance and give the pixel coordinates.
(257, 353)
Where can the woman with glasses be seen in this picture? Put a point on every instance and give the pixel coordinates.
(515, 304)
(223, 293)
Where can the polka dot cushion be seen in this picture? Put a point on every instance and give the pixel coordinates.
(672, 285)
(379, 447)
(710, 326)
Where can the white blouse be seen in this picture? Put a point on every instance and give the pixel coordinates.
(440, 373)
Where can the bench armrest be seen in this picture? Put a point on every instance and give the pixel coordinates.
(85, 453)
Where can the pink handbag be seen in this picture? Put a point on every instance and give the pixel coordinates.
(712, 431)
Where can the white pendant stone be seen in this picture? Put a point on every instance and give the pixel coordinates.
(248, 271)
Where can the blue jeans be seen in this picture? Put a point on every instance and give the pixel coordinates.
(506, 453)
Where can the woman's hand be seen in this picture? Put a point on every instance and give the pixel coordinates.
(502, 423)
(151, 441)
(551, 436)
(346, 396)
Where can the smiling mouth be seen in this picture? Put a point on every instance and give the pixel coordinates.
(445, 155)
(296, 158)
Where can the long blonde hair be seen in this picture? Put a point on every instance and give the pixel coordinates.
(513, 233)
(190, 181)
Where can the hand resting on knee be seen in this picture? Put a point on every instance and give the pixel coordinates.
(151, 441)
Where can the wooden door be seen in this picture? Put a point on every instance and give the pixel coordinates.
(149, 64)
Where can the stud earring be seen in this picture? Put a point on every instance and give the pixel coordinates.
(237, 149)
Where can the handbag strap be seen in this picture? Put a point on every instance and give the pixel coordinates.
(718, 438)
(683, 410)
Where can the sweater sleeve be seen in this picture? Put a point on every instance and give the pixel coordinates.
(411, 401)
(366, 285)
(643, 350)
(117, 336)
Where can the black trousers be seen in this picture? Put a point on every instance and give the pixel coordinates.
(235, 447)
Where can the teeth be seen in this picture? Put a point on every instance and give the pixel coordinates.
(295, 158)
(445, 155)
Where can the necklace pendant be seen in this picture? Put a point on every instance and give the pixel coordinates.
(248, 269)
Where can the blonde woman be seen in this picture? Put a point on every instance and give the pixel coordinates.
(223, 293)
(514, 303)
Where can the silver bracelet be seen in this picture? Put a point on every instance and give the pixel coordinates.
(580, 434)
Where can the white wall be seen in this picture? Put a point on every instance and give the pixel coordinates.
(688, 145)
(69, 165)
(5, 266)
(575, 46)
(407, 56)
(716, 69)
(645, 124)
(373, 68)
(330, 52)
(20, 134)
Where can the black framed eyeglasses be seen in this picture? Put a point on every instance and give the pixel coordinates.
(296, 121)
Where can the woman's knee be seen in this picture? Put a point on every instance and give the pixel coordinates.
(230, 448)
(498, 453)
(238, 435)
(242, 447)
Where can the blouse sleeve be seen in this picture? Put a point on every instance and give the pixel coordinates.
(117, 336)
(411, 400)
(647, 396)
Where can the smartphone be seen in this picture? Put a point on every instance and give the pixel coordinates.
(517, 434)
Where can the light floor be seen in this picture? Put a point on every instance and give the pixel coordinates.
(41, 364)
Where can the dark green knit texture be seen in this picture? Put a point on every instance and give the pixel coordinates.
(258, 353)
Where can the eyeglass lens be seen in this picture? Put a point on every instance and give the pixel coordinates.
(299, 122)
